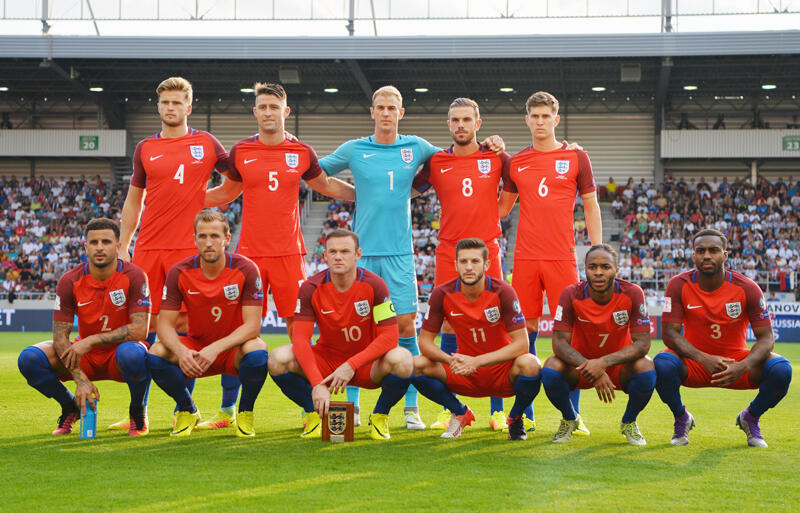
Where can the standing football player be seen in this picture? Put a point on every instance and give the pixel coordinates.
(267, 169)
(548, 175)
(171, 170)
(383, 167)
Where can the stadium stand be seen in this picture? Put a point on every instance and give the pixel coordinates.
(760, 221)
(42, 227)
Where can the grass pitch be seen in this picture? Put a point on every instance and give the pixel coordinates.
(414, 471)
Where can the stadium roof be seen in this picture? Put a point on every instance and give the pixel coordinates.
(413, 47)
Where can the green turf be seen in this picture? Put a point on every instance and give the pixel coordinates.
(414, 471)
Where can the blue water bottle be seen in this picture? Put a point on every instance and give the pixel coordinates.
(89, 420)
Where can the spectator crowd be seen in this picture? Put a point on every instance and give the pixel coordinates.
(42, 228)
(761, 223)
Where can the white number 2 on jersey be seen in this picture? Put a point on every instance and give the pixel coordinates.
(179, 175)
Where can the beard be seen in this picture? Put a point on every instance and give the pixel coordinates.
(473, 282)
(210, 260)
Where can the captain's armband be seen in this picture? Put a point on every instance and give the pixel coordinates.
(383, 311)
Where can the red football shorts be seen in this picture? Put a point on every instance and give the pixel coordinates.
(327, 363)
(698, 376)
(532, 278)
(282, 276)
(156, 263)
(100, 363)
(224, 364)
(613, 373)
(445, 269)
(490, 381)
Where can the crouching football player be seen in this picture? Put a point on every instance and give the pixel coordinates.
(601, 337)
(223, 297)
(715, 305)
(492, 358)
(357, 344)
(112, 302)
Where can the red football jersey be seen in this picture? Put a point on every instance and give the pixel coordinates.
(547, 183)
(174, 173)
(598, 330)
(101, 305)
(214, 306)
(348, 320)
(482, 325)
(270, 177)
(715, 322)
(467, 188)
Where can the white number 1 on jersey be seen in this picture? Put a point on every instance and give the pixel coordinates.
(179, 175)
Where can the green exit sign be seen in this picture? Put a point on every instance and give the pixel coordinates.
(791, 143)
(88, 142)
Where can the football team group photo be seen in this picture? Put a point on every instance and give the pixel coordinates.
(475, 255)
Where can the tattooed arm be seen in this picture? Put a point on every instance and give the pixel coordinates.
(563, 349)
(135, 330)
(84, 389)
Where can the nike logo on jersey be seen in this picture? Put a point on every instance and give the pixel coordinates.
(453, 314)
(84, 304)
(190, 291)
(521, 169)
(583, 320)
(444, 170)
(249, 161)
(156, 157)
(692, 307)
(328, 312)
(368, 155)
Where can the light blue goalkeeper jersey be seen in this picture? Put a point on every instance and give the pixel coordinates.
(383, 174)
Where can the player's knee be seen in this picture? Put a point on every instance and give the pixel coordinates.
(643, 364)
(778, 370)
(31, 361)
(528, 364)
(254, 344)
(130, 354)
(400, 361)
(159, 350)
(532, 325)
(280, 360)
(554, 363)
(667, 365)
(420, 364)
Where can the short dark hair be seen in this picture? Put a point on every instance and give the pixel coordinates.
(340, 233)
(209, 216)
(603, 247)
(102, 223)
(260, 88)
(712, 233)
(466, 102)
(473, 243)
(541, 98)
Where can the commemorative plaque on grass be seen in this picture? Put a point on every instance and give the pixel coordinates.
(337, 425)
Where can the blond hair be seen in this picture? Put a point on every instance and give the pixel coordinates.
(176, 84)
(542, 98)
(209, 216)
(388, 90)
